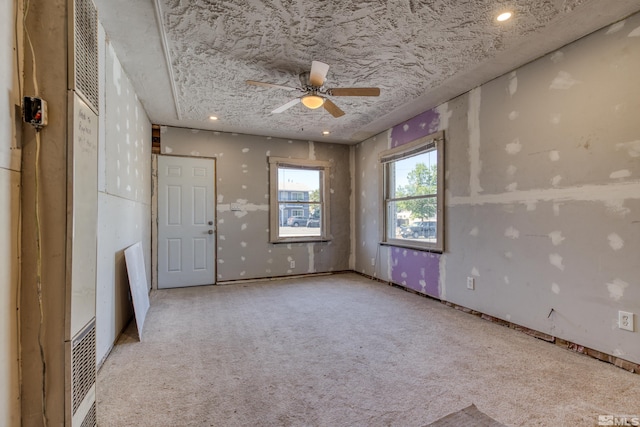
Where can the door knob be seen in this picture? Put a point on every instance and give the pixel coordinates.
(210, 222)
(210, 231)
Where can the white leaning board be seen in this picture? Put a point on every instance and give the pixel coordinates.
(137, 283)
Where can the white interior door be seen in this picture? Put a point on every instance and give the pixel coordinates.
(186, 222)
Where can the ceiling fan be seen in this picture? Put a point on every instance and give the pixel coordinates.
(315, 94)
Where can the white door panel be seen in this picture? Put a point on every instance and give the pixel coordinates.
(186, 230)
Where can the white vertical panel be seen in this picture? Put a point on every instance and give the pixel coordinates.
(174, 198)
(199, 205)
(83, 206)
(174, 254)
(9, 402)
(199, 254)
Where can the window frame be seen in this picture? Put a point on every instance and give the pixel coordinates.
(435, 141)
(324, 167)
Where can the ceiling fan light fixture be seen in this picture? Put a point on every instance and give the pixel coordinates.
(312, 101)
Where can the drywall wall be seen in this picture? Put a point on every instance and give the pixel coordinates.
(542, 195)
(244, 250)
(124, 196)
(9, 215)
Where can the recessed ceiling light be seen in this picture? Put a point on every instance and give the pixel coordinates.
(504, 16)
(325, 132)
(213, 118)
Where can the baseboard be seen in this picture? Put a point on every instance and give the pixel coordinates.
(271, 278)
(113, 344)
(569, 345)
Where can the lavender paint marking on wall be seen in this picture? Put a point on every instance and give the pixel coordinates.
(421, 125)
(416, 270)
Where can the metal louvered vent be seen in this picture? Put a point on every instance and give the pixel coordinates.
(83, 364)
(86, 51)
(90, 420)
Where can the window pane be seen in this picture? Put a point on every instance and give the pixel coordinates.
(298, 184)
(298, 202)
(300, 221)
(412, 220)
(415, 176)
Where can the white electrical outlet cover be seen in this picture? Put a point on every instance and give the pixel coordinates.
(471, 283)
(625, 320)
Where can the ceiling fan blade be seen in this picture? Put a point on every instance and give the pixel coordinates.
(354, 91)
(318, 73)
(332, 108)
(255, 83)
(286, 106)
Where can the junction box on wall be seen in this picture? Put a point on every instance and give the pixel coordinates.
(34, 111)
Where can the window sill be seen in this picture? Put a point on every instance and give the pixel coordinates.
(397, 244)
(300, 240)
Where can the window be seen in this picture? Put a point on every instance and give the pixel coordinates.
(413, 194)
(299, 202)
(298, 195)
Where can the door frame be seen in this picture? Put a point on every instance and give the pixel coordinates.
(154, 214)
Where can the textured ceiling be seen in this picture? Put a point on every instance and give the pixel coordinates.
(420, 53)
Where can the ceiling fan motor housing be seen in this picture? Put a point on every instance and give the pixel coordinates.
(304, 80)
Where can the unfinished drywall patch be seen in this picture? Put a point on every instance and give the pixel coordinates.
(556, 237)
(563, 81)
(616, 289)
(631, 147)
(416, 270)
(475, 164)
(421, 125)
(616, 27)
(513, 83)
(442, 282)
(615, 241)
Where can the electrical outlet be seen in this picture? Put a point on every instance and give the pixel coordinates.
(471, 283)
(293, 264)
(625, 320)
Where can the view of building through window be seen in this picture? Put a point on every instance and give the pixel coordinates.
(299, 203)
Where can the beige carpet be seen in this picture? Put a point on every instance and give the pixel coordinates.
(341, 350)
